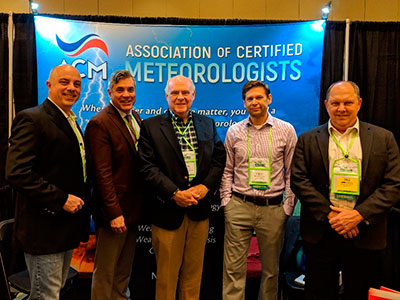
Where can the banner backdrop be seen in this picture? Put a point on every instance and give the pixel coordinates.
(219, 59)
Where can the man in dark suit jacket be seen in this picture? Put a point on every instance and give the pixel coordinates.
(46, 166)
(111, 138)
(183, 160)
(343, 210)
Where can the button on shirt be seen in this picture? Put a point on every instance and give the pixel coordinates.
(283, 142)
(335, 153)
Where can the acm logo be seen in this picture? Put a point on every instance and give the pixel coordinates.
(78, 47)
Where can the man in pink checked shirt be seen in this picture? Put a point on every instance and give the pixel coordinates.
(257, 172)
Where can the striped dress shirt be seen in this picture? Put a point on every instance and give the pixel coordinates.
(283, 142)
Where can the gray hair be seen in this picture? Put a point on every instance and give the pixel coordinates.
(117, 76)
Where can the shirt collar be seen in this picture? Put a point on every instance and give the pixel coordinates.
(356, 126)
(179, 119)
(122, 113)
(269, 121)
(71, 115)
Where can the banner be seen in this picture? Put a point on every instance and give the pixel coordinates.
(219, 59)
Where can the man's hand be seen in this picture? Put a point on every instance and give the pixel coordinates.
(73, 204)
(118, 224)
(332, 214)
(346, 221)
(184, 198)
(351, 233)
(199, 191)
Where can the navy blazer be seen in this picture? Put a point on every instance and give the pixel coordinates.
(164, 168)
(379, 187)
(44, 165)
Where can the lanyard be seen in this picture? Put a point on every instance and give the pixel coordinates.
(192, 173)
(183, 133)
(345, 153)
(269, 142)
(71, 121)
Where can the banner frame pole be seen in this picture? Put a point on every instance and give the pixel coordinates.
(346, 51)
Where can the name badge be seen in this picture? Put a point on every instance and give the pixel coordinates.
(345, 179)
(190, 161)
(259, 173)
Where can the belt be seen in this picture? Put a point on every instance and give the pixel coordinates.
(259, 200)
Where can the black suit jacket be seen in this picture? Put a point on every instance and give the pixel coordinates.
(164, 169)
(379, 189)
(114, 168)
(44, 165)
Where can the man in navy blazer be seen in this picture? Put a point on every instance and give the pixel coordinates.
(182, 162)
(46, 165)
(346, 173)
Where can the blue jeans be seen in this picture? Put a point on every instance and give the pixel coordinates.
(48, 274)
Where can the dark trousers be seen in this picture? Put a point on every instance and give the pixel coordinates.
(324, 260)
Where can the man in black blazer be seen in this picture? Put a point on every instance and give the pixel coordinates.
(183, 160)
(46, 165)
(346, 173)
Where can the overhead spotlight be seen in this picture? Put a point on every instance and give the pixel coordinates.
(34, 7)
(326, 10)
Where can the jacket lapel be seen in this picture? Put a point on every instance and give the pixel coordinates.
(168, 131)
(202, 135)
(119, 123)
(60, 120)
(322, 139)
(366, 144)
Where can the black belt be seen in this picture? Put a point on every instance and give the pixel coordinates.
(259, 200)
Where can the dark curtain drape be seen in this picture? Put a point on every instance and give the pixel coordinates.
(25, 76)
(332, 61)
(6, 203)
(375, 67)
(3, 94)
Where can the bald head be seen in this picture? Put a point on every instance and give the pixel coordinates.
(344, 83)
(342, 104)
(179, 79)
(64, 85)
(180, 93)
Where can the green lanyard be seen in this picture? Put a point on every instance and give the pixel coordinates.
(345, 153)
(135, 130)
(81, 145)
(259, 185)
(182, 134)
(346, 173)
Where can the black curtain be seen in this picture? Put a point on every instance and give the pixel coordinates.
(6, 203)
(25, 69)
(3, 94)
(332, 61)
(375, 67)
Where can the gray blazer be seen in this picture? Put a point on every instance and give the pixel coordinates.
(379, 190)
